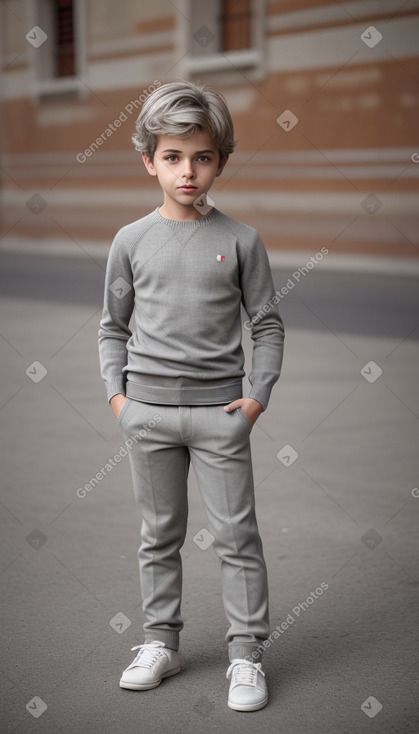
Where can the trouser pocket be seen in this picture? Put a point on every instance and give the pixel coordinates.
(124, 409)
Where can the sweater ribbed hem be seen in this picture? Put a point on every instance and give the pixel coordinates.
(188, 395)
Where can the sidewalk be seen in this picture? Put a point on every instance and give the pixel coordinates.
(335, 462)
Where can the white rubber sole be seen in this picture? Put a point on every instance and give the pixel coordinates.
(148, 686)
(249, 707)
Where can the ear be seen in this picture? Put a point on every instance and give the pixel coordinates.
(149, 164)
(223, 161)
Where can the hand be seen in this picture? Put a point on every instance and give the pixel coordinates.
(117, 403)
(251, 407)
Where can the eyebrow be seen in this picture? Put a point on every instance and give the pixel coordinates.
(172, 150)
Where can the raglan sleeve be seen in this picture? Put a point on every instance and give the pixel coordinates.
(118, 304)
(260, 300)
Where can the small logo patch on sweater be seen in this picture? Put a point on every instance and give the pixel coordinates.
(221, 258)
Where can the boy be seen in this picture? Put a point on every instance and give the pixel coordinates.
(175, 377)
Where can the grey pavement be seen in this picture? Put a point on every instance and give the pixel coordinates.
(336, 471)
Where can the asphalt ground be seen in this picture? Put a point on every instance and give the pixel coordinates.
(340, 517)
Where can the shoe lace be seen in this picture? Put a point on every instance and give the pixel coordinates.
(244, 672)
(147, 654)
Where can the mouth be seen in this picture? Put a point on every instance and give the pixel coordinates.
(188, 188)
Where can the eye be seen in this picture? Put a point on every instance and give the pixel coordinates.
(170, 157)
(203, 158)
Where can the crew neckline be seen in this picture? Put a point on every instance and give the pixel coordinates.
(181, 223)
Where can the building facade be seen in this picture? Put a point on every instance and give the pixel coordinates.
(324, 96)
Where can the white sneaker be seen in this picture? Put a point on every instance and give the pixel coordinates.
(248, 690)
(151, 664)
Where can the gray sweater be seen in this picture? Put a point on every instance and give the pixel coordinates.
(171, 328)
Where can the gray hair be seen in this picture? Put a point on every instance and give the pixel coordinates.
(183, 108)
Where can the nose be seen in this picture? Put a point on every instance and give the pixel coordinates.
(188, 171)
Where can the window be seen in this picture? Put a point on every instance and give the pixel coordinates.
(63, 40)
(235, 24)
(59, 62)
(220, 35)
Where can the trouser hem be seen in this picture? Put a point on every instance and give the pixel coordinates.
(252, 652)
(170, 638)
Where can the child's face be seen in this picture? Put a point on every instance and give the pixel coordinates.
(185, 168)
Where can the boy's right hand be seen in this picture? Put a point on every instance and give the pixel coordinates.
(117, 403)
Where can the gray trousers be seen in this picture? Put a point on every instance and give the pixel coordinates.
(165, 439)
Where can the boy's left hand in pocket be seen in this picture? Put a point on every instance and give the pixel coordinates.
(251, 407)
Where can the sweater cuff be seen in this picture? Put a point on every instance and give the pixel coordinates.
(114, 387)
(261, 394)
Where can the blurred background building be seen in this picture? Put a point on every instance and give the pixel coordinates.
(324, 96)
